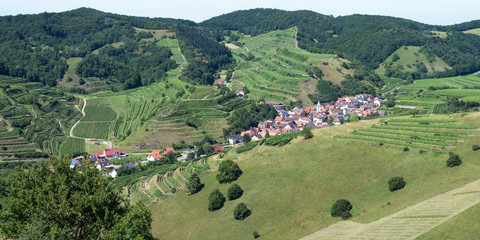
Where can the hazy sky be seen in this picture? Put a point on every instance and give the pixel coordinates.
(440, 12)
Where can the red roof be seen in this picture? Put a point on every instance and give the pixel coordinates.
(155, 156)
(168, 149)
(218, 149)
(279, 118)
(156, 152)
(112, 151)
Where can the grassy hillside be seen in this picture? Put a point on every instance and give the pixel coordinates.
(273, 68)
(296, 185)
(461, 227)
(409, 57)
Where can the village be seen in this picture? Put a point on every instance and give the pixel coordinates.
(319, 116)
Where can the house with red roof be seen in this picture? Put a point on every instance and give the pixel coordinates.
(154, 157)
(113, 153)
(217, 148)
(168, 150)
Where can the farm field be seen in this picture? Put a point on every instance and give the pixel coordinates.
(324, 167)
(98, 130)
(71, 146)
(461, 227)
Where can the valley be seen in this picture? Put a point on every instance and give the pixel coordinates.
(383, 97)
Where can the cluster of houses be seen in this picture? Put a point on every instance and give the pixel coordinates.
(319, 116)
(101, 160)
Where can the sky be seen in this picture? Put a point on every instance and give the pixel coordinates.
(437, 12)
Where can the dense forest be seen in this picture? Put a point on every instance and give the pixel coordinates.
(37, 47)
(367, 39)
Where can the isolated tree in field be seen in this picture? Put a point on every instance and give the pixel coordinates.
(453, 160)
(340, 206)
(396, 183)
(241, 211)
(353, 118)
(234, 192)
(50, 199)
(330, 121)
(194, 185)
(267, 135)
(390, 102)
(307, 132)
(228, 171)
(215, 201)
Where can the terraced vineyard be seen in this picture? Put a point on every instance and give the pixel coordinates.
(162, 185)
(71, 146)
(97, 130)
(427, 134)
(276, 69)
(11, 143)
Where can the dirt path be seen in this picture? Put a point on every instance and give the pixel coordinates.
(410, 222)
(295, 37)
(83, 115)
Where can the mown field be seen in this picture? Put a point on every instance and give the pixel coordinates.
(297, 183)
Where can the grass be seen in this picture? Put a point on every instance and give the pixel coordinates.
(411, 55)
(72, 145)
(92, 130)
(278, 69)
(461, 227)
(296, 184)
(475, 31)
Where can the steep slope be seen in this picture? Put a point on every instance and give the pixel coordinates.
(290, 189)
(368, 39)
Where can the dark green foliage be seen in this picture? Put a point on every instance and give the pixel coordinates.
(405, 149)
(241, 211)
(282, 139)
(243, 118)
(453, 160)
(307, 132)
(247, 146)
(390, 102)
(367, 39)
(53, 200)
(228, 171)
(339, 207)
(345, 215)
(234, 192)
(396, 183)
(194, 185)
(205, 56)
(246, 138)
(255, 234)
(475, 147)
(215, 201)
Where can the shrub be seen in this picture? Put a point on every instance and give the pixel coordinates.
(345, 215)
(307, 132)
(215, 201)
(340, 206)
(454, 160)
(475, 147)
(241, 211)
(194, 185)
(405, 149)
(255, 234)
(234, 192)
(396, 183)
(228, 171)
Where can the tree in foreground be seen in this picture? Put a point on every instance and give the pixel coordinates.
(453, 160)
(396, 183)
(215, 201)
(52, 200)
(340, 207)
(194, 185)
(241, 211)
(228, 171)
(234, 192)
(307, 132)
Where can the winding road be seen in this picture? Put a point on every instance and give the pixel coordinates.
(83, 115)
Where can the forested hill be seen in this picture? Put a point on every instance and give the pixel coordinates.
(116, 48)
(368, 39)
